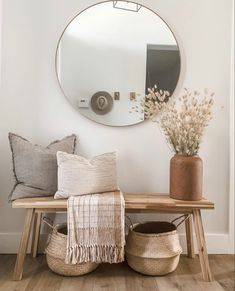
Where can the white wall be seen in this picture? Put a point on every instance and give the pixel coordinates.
(0, 43)
(32, 104)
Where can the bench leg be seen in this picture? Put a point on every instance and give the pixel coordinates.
(189, 236)
(36, 233)
(201, 243)
(23, 245)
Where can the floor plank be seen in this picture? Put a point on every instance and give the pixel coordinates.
(119, 277)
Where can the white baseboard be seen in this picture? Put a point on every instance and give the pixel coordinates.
(217, 243)
(9, 242)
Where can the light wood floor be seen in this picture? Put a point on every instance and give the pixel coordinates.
(187, 277)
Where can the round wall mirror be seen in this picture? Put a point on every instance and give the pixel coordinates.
(110, 54)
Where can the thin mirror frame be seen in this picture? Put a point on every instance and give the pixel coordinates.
(57, 48)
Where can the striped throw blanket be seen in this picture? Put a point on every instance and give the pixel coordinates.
(96, 228)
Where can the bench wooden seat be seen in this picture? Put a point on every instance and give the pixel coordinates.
(134, 202)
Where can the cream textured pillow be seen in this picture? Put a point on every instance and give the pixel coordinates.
(79, 176)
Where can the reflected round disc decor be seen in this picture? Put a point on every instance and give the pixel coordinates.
(101, 102)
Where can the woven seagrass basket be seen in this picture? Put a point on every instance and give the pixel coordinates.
(153, 248)
(56, 252)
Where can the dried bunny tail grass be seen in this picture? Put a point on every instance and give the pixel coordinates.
(152, 103)
(184, 123)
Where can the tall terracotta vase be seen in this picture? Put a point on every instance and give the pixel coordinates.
(186, 177)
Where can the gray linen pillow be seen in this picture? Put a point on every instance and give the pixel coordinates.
(35, 167)
(78, 175)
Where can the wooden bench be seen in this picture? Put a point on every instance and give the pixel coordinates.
(134, 202)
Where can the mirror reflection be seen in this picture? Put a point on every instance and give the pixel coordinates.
(110, 54)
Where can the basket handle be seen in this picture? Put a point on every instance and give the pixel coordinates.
(130, 221)
(49, 222)
(186, 216)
